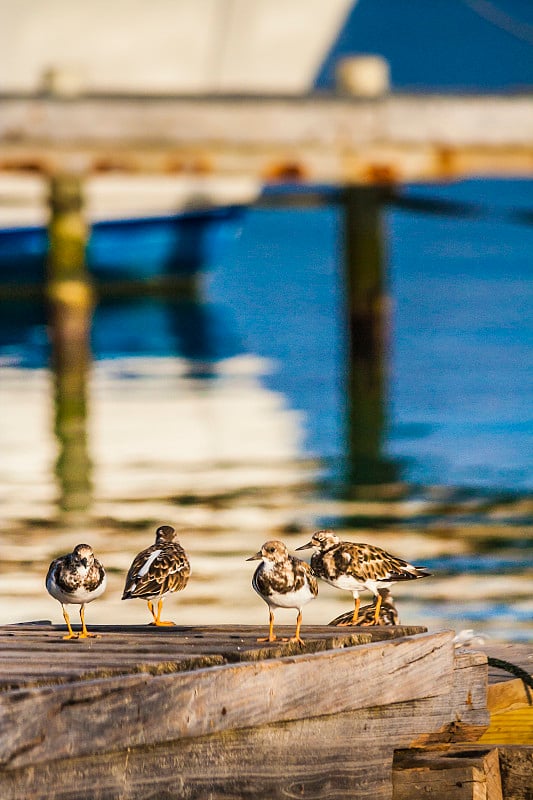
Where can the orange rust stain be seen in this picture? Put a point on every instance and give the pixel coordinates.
(286, 171)
(24, 165)
(446, 161)
(113, 164)
(188, 165)
(382, 174)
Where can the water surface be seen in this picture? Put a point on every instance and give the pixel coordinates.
(225, 416)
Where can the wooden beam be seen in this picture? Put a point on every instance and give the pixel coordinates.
(447, 773)
(316, 138)
(138, 710)
(346, 755)
(516, 766)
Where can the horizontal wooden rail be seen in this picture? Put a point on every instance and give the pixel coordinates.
(322, 138)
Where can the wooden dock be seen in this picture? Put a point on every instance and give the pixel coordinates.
(202, 712)
(315, 138)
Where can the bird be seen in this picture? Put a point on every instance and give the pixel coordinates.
(357, 566)
(388, 613)
(76, 578)
(157, 571)
(283, 581)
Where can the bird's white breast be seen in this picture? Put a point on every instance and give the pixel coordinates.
(293, 599)
(348, 582)
(77, 597)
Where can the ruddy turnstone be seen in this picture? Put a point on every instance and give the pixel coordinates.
(77, 578)
(283, 581)
(157, 571)
(388, 613)
(356, 566)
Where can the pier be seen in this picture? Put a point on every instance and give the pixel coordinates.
(223, 115)
(195, 712)
(215, 149)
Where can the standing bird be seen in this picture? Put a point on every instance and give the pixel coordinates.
(157, 571)
(388, 613)
(76, 578)
(356, 566)
(283, 581)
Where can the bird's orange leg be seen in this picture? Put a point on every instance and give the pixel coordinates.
(70, 634)
(84, 632)
(151, 610)
(356, 610)
(157, 620)
(271, 637)
(376, 612)
(296, 637)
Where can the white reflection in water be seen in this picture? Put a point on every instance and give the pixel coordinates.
(220, 459)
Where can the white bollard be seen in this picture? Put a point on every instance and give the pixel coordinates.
(363, 76)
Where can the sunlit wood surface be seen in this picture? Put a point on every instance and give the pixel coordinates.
(180, 712)
(324, 138)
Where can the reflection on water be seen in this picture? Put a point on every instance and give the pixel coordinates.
(224, 417)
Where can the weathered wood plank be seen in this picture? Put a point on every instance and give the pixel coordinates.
(322, 138)
(516, 767)
(103, 715)
(32, 655)
(347, 755)
(325, 120)
(447, 773)
(468, 699)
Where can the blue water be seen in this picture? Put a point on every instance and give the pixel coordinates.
(462, 361)
(459, 396)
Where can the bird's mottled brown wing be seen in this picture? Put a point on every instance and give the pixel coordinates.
(63, 574)
(95, 577)
(52, 570)
(303, 574)
(377, 564)
(343, 559)
(168, 572)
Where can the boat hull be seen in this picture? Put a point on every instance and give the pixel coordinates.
(135, 249)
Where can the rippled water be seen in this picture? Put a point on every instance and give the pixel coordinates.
(225, 418)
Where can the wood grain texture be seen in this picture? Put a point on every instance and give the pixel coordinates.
(468, 699)
(347, 755)
(330, 139)
(98, 716)
(516, 767)
(36, 655)
(447, 773)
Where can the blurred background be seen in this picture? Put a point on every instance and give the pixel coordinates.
(186, 347)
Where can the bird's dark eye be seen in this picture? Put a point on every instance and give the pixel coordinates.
(270, 549)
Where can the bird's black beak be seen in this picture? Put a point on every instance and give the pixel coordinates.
(84, 562)
(305, 546)
(256, 557)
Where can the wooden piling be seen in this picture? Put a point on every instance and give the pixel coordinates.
(70, 303)
(367, 329)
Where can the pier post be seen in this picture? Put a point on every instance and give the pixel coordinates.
(70, 303)
(367, 306)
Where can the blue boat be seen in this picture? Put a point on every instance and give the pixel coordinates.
(140, 249)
